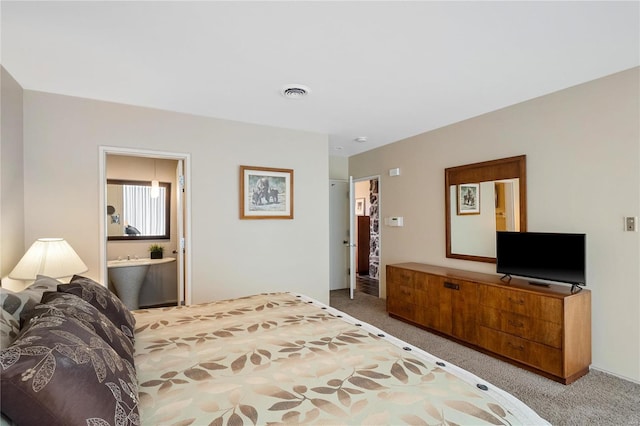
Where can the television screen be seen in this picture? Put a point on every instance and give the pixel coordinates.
(548, 256)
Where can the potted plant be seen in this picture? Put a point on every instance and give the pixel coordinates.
(156, 251)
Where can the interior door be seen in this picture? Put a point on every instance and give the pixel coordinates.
(180, 225)
(339, 234)
(352, 238)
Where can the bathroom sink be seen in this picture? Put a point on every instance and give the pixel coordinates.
(127, 276)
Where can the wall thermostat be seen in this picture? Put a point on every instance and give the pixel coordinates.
(395, 221)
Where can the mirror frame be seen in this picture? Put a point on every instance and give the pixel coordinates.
(167, 212)
(504, 168)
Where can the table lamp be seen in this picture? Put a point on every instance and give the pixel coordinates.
(52, 257)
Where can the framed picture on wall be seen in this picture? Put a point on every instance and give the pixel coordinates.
(468, 198)
(360, 203)
(266, 193)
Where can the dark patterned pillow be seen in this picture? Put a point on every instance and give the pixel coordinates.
(104, 300)
(9, 328)
(14, 303)
(58, 372)
(71, 306)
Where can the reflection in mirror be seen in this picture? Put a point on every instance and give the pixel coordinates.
(481, 199)
(499, 210)
(507, 205)
(135, 213)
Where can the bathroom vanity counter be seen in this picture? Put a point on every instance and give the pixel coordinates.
(124, 263)
(127, 276)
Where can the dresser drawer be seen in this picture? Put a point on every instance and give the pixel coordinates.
(542, 307)
(545, 332)
(534, 354)
(411, 312)
(401, 308)
(402, 293)
(400, 277)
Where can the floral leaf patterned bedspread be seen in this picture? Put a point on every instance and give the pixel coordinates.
(288, 359)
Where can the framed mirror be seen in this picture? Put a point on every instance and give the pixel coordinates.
(136, 211)
(480, 199)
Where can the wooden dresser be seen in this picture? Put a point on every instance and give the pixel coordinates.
(546, 330)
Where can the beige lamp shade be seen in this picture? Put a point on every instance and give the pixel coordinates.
(53, 257)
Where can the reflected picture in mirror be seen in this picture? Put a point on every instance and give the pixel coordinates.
(474, 233)
(135, 213)
(468, 198)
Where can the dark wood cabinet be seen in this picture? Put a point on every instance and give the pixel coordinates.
(544, 329)
(363, 245)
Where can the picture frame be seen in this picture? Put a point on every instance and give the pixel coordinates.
(266, 193)
(360, 205)
(468, 198)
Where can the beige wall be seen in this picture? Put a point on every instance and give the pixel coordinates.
(583, 175)
(12, 245)
(230, 257)
(362, 191)
(338, 168)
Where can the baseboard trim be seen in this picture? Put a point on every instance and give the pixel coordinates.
(161, 305)
(619, 376)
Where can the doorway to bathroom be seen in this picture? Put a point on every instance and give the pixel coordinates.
(367, 234)
(138, 213)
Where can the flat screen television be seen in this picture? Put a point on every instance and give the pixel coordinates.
(547, 256)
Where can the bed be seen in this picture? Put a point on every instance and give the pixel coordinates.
(81, 358)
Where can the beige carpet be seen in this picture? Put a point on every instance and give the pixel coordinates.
(595, 399)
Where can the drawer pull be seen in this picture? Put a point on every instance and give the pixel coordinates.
(517, 301)
(518, 324)
(516, 347)
(452, 286)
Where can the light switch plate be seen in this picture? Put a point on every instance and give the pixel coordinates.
(631, 223)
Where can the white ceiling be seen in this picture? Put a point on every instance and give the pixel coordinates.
(384, 70)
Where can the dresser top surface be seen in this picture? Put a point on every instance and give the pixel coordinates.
(558, 290)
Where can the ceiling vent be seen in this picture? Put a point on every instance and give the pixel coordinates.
(295, 91)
